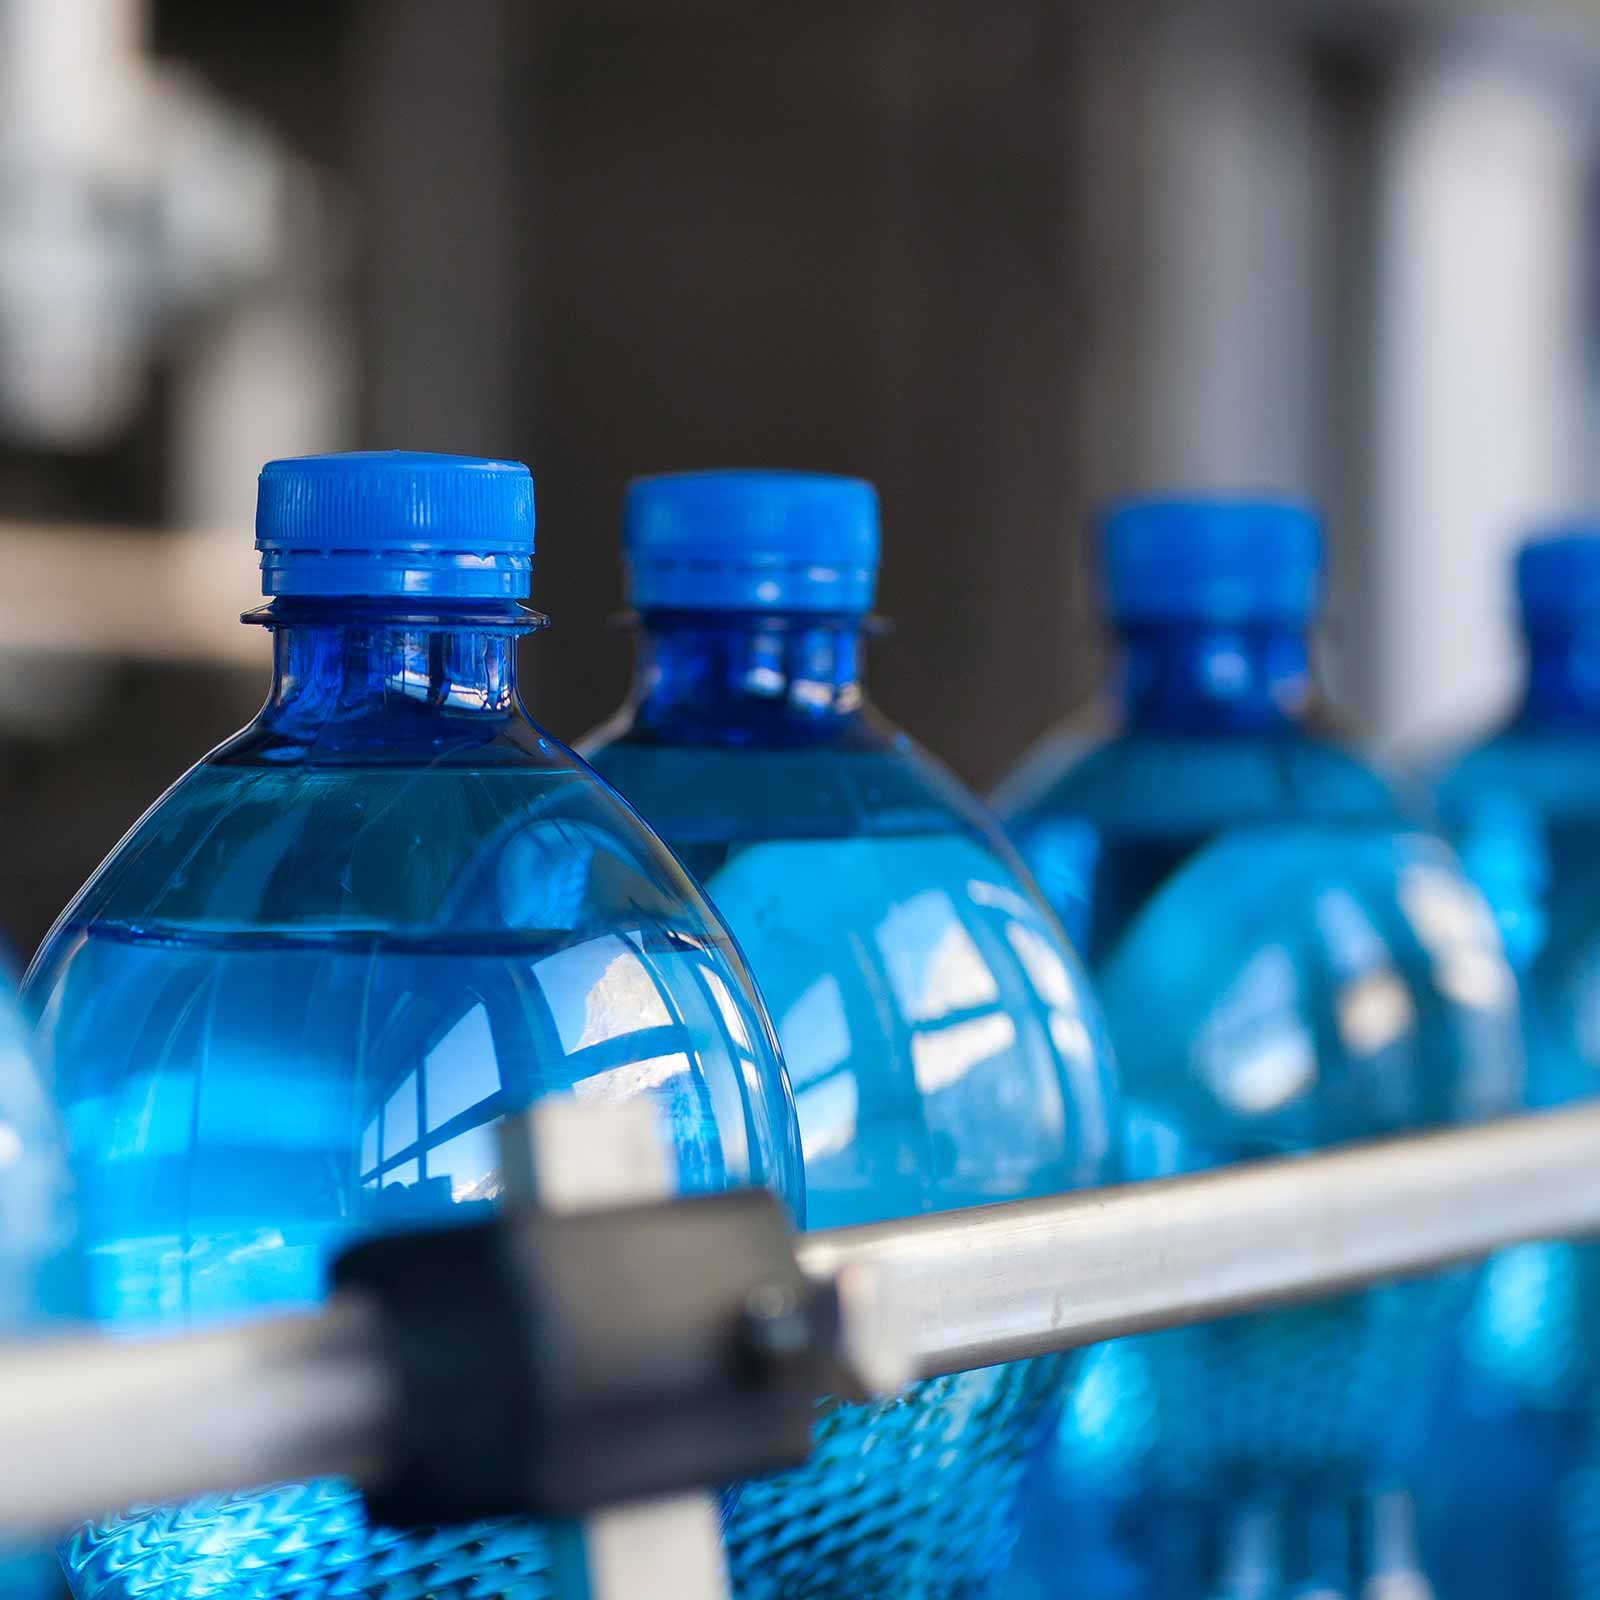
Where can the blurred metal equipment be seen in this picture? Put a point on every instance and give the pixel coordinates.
(549, 1159)
(1482, 348)
(1004, 1282)
(673, 1325)
(128, 197)
(169, 269)
(94, 1423)
(195, 582)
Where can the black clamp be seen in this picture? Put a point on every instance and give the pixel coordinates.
(551, 1363)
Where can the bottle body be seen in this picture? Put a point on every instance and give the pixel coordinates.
(288, 1008)
(38, 1265)
(1284, 964)
(946, 1052)
(1513, 1507)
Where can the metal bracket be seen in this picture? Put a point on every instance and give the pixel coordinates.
(569, 1158)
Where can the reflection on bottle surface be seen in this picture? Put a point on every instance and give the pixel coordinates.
(944, 1052)
(1284, 965)
(38, 1264)
(290, 1005)
(941, 1040)
(245, 1100)
(1514, 1502)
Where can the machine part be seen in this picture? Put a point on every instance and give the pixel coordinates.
(668, 1549)
(1000, 1283)
(647, 1310)
(547, 1363)
(455, 1341)
(548, 1157)
(91, 1423)
(529, 1380)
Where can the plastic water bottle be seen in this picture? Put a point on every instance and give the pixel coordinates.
(940, 1036)
(1513, 1509)
(37, 1266)
(289, 1006)
(1283, 965)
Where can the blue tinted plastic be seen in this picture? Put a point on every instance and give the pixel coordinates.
(1224, 560)
(37, 1267)
(946, 1052)
(288, 1007)
(773, 541)
(1558, 577)
(1283, 964)
(395, 522)
(1515, 1501)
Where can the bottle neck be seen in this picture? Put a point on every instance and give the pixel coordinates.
(746, 677)
(1563, 675)
(1200, 677)
(366, 663)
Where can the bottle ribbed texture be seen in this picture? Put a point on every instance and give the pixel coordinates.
(1218, 559)
(804, 541)
(395, 522)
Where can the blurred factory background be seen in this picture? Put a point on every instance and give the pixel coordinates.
(1004, 258)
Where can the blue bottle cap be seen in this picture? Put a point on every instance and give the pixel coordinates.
(751, 541)
(1216, 559)
(1558, 573)
(393, 523)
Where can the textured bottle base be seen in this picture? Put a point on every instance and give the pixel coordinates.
(910, 1498)
(302, 1541)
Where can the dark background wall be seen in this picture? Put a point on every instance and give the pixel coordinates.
(1003, 257)
(611, 238)
(838, 237)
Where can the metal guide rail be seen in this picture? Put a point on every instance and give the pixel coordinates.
(600, 1349)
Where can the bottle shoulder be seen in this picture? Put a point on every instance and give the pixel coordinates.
(908, 960)
(870, 778)
(1553, 771)
(398, 731)
(516, 838)
(1170, 784)
(1352, 983)
(1523, 809)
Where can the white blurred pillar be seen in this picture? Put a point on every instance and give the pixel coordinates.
(275, 376)
(1232, 263)
(1250, 327)
(1478, 379)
